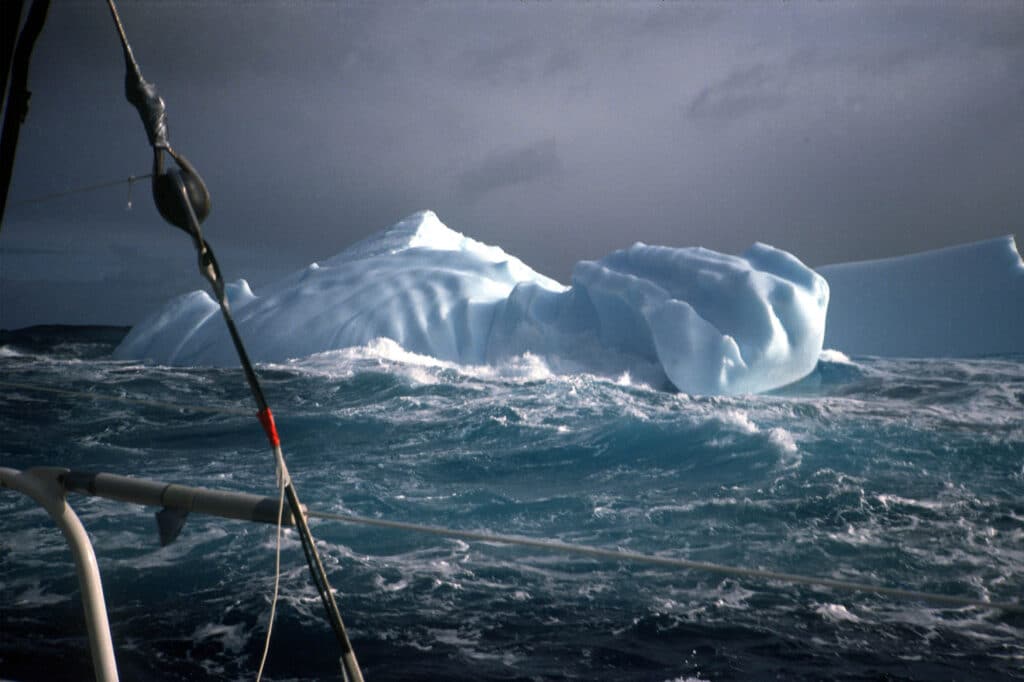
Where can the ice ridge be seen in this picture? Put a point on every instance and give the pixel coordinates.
(681, 318)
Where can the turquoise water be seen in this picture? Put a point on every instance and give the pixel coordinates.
(908, 473)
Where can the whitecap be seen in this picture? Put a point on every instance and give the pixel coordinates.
(232, 638)
(10, 352)
(836, 356)
(836, 613)
(739, 419)
(782, 439)
(420, 369)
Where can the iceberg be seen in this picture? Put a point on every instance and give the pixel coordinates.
(960, 301)
(687, 319)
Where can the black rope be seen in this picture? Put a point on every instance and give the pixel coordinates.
(183, 200)
(211, 271)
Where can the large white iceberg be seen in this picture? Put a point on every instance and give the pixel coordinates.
(692, 319)
(961, 301)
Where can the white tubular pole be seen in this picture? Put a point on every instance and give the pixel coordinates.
(43, 486)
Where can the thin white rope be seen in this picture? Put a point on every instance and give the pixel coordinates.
(277, 576)
(281, 472)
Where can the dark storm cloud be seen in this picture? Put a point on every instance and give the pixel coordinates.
(625, 25)
(1002, 35)
(497, 63)
(744, 91)
(7, 251)
(533, 162)
(839, 131)
(562, 59)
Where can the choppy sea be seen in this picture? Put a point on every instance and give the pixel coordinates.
(900, 472)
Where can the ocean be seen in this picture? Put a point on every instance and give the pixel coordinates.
(905, 473)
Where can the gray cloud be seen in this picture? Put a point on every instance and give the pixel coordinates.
(507, 62)
(839, 131)
(743, 92)
(507, 168)
(562, 58)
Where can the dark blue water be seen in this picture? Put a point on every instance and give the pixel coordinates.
(908, 473)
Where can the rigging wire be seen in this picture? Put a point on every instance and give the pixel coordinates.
(670, 562)
(579, 549)
(131, 179)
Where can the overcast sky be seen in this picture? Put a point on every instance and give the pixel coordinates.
(559, 131)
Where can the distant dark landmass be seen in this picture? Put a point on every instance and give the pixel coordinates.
(64, 338)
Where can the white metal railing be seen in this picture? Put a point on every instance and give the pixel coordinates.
(43, 485)
(48, 487)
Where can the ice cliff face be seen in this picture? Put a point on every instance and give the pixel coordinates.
(690, 319)
(961, 301)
